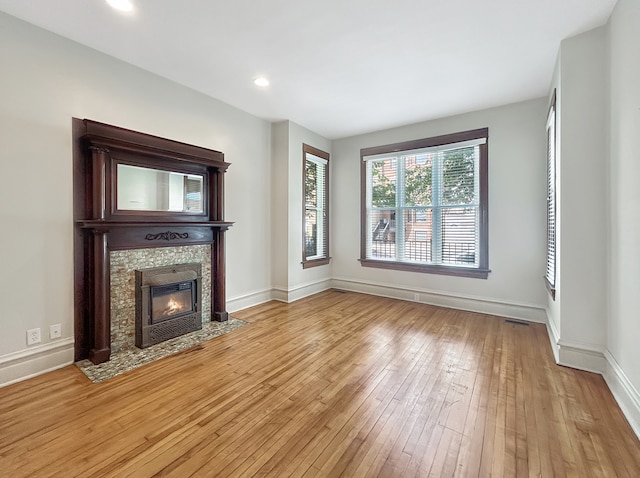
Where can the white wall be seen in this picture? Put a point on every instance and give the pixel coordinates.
(280, 207)
(623, 354)
(582, 201)
(45, 81)
(517, 194)
(291, 281)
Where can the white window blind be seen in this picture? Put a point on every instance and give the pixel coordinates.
(550, 274)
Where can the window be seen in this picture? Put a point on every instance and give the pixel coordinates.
(550, 274)
(315, 235)
(424, 205)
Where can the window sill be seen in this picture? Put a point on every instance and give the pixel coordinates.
(429, 269)
(315, 262)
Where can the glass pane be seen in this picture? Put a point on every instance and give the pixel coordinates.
(168, 305)
(418, 181)
(383, 235)
(311, 234)
(193, 193)
(310, 183)
(458, 176)
(418, 235)
(147, 189)
(459, 226)
(383, 183)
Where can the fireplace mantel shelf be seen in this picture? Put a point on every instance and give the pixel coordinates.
(101, 224)
(149, 234)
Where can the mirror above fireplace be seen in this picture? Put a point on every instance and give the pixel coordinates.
(148, 189)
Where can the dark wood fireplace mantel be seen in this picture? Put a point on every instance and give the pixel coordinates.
(101, 227)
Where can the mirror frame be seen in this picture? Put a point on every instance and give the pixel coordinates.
(104, 146)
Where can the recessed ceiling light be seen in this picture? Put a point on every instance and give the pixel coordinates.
(261, 81)
(121, 5)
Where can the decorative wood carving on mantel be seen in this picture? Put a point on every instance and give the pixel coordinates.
(166, 236)
(102, 227)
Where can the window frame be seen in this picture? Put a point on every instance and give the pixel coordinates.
(552, 219)
(480, 272)
(325, 258)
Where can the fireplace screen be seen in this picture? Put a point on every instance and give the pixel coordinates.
(172, 300)
(167, 302)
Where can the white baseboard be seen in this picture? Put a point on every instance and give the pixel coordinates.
(554, 337)
(473, 304)
(281, 294)
(587, 357)
(301, 291)
(497, 307)
(593, 359)
(623, 391)
(18, 366)
(581, 356)
(305, 290)
(249, 300)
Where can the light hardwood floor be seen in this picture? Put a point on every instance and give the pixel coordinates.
(338, 384)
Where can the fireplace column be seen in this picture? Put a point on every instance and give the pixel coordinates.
(101, 350)
(218, 293)
(216, 213)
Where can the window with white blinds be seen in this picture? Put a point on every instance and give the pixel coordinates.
(315, 234)
(550, 274)
(425, 205)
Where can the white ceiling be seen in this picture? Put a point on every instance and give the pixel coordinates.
(337, 67)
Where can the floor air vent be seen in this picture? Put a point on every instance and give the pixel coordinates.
(516, 322)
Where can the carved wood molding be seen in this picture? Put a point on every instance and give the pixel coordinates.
(167, 236)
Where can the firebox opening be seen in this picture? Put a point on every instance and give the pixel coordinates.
(167, 302)
(172, 300)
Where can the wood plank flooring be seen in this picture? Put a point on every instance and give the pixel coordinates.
(338, 384)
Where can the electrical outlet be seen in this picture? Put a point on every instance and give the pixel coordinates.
(416, 296)
(55, 331)
(33, 336)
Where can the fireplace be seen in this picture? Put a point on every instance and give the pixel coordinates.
(137, 192)
(168, 302)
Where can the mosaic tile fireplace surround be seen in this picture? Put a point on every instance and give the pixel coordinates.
(124, 265)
